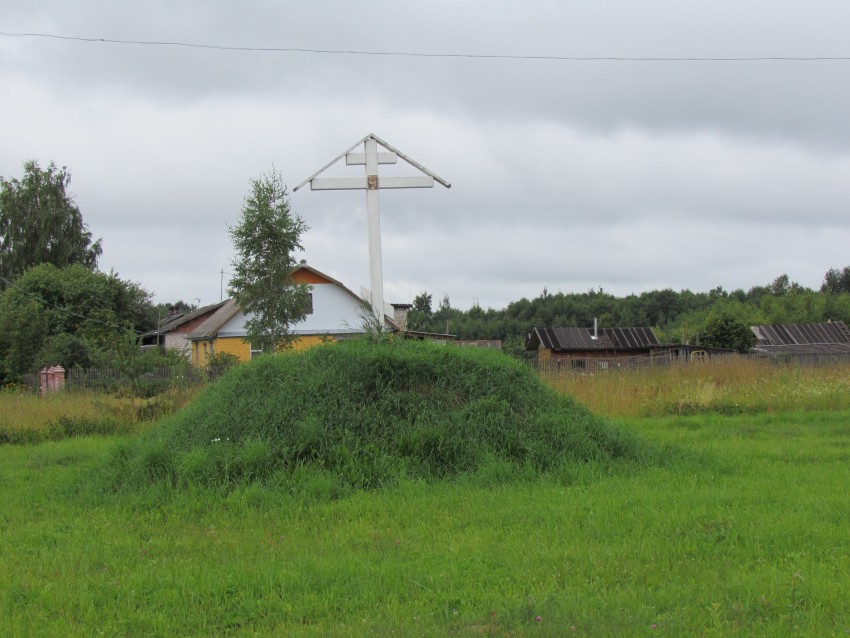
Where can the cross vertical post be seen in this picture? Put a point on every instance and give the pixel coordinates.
(373, 220)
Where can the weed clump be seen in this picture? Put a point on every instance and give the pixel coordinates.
(368, 414)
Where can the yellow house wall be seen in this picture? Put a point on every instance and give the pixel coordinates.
(201, 350)
(235, 346)
(308, 341)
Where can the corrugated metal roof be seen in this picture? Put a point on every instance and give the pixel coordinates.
(572, 338)
(804, 348)
(631, 338)
(802, 333)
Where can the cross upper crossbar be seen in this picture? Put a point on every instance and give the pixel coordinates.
(362, 183)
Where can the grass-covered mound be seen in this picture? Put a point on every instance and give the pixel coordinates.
(364, 414)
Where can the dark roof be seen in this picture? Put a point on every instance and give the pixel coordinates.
(804, 348)
(210, 327)
(582, 339)
(802, 334)
(171, 323)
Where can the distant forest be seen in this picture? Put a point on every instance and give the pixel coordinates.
(678, 317)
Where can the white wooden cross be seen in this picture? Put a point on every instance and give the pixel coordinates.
(371, 183)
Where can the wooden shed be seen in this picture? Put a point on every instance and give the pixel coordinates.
(582, 344)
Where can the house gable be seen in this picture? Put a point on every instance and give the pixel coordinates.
(335, 311)
(307, 275)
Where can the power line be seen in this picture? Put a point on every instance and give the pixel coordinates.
(421, 54)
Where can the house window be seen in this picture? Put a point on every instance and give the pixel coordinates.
(256, 350)
(578, 364)
(309, 310)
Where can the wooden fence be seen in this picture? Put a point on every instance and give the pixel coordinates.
(612, 364)
(804, 359)
(151, 382)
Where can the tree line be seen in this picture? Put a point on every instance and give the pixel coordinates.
(677, 317)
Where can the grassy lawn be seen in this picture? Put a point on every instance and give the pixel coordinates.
(741, 530)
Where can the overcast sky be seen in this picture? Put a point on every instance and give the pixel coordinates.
(626, 175)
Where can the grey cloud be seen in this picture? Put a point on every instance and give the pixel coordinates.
(793, 100)
(570, 175)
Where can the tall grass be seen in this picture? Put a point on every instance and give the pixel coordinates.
(729, 386)
(26, 417)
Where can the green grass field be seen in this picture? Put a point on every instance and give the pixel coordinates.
(742, 529)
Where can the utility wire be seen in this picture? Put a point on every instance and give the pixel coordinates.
(420, 54)
(43, 301)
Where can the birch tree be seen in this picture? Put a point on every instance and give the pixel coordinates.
(265, 239)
